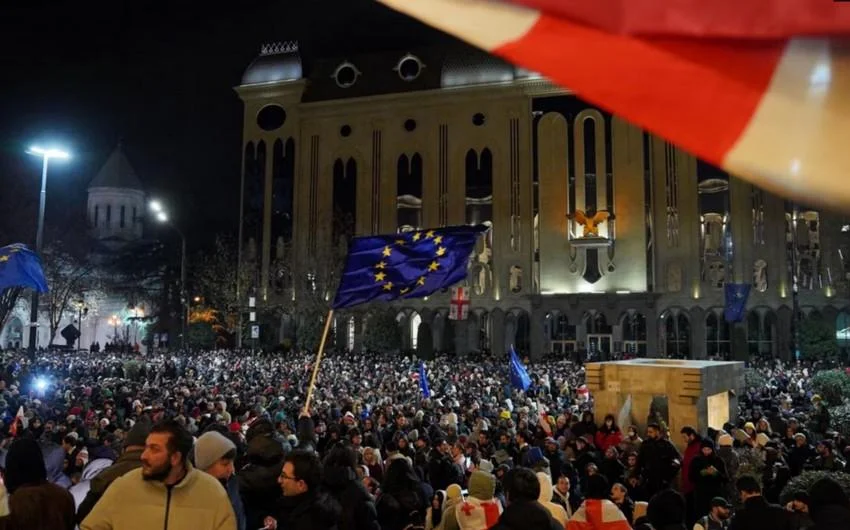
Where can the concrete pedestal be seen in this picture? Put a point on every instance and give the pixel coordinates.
(701, 394)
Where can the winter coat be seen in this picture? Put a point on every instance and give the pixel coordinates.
(691, 452)
(397, 510)
(258, 479)
(358, 508)
(605, 438)
(127, 462)
(308, 511)
(232, 489)
(757, 514)
(92, 469)
(525, 515)
(707, 485)
(831, 517)
(132, 503)
(558, 512)
(658, 463)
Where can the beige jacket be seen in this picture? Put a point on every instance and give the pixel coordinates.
(198, 502)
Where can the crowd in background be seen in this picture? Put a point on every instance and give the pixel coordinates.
(219, 439)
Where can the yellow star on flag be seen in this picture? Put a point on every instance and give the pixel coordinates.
(387, 251)
(438, 240)
(388, 286)
(417, 235)
(429, 234)
(433, 266)
(405, 290)
(441, 251)
(399, 241)
(4, 258)
(380, 277)
(381, 265)
(421, 280)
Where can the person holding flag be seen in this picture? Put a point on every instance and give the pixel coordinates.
(520, 379)
(423, 381)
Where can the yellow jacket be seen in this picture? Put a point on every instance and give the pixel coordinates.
(198, 502)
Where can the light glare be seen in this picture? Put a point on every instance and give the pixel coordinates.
(48, 153)
(161, 217)
(156, 206)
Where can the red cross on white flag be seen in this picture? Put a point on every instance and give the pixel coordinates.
(459, 305)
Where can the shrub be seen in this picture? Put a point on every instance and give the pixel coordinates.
(132, 370)
(832, 386)
(805, 480)
(839, 419)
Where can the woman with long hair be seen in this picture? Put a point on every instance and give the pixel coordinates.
(402, 501)
(608, 435)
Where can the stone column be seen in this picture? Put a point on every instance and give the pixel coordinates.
(536, 339)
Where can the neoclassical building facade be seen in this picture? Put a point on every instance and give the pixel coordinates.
(604, 238)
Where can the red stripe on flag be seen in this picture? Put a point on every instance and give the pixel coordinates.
(752, 19)
(699, 94)
(491, 513)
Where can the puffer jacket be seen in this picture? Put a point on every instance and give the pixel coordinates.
(92, 469)
(127, 462)
(258, 479)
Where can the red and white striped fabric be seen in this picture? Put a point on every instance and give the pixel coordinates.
(760, 88)
(475, 514)
(596, 514)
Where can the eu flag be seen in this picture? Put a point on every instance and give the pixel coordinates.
(407, 265)
(519, 376)
(736, 301)
(21, 267)
(423, 381)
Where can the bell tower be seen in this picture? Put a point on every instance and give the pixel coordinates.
(116, 202)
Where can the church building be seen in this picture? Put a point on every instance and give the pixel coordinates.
(603, 239)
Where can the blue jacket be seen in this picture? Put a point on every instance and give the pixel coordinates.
(232, 488)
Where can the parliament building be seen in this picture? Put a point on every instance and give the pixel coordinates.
(603, 240)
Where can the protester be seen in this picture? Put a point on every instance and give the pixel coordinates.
(214, 454)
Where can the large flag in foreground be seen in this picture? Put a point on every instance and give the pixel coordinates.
(760, 88)
(407, 265)
(21, 267)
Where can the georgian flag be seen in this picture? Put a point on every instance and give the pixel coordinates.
(598, 514)
(475, 514)
(760, 88)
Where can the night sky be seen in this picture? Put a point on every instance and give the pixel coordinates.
(157, 76)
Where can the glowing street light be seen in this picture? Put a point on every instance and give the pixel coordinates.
(46, 154)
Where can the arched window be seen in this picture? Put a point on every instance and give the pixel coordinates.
(562, 336)
(717, 343)
(677, 335)
(96, 215)
(634, 334)
(415, 321)
(351, 334)
(108, 214)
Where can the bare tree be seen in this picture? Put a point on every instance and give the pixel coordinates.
(8, 298)
(66, 274)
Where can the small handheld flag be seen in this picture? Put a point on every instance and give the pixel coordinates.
(408, 265)
(423, 381)
(21, 267)
(519, 376)
(736, 301)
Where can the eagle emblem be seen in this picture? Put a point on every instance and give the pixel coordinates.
(591, 221)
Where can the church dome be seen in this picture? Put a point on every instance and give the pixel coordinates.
(472, 67)
(277, 62)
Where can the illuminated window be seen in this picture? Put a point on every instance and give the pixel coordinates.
(415, 321)
(351, 334)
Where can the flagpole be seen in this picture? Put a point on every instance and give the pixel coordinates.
(318, 361)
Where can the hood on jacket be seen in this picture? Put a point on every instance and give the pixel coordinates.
(545, 487)
(54, 460)
(94, 468)
(482, 485)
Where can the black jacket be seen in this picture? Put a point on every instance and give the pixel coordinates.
(398, 510)
(525, 516)
(258, 485)
(658, 462)
(308, 511)
(831, 517)
(358, 508)
(757, 514)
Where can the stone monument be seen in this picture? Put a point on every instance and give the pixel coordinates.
(701, 394)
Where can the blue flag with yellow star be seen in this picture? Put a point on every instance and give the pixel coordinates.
(21, 267)
(736, 301)
(407, 265)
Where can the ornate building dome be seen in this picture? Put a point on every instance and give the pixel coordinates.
(277, 62)
(472, 67)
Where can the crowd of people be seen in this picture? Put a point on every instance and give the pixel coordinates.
(222, 440)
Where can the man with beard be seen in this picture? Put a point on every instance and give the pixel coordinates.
(658, 461)
(166, 492)
(214, 454)
(717, 518)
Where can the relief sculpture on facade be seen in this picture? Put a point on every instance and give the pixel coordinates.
(760, 275)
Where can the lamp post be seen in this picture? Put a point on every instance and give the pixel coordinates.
(81, 306)
(114, 321)
(46, 155)
(161, 216)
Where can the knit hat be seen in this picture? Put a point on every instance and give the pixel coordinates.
(210, 447)
(762, 439)
(454, 492)
(724, 440)
(138, 435)
(749, 425)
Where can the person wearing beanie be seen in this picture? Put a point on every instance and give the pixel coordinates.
(480, 510)
(30, 492)
(130, 459)
(597, 512)
(708, 475)
(214, 454)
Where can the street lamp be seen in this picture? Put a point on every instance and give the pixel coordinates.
(46, 155)
(114, 321)
(161, 216)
